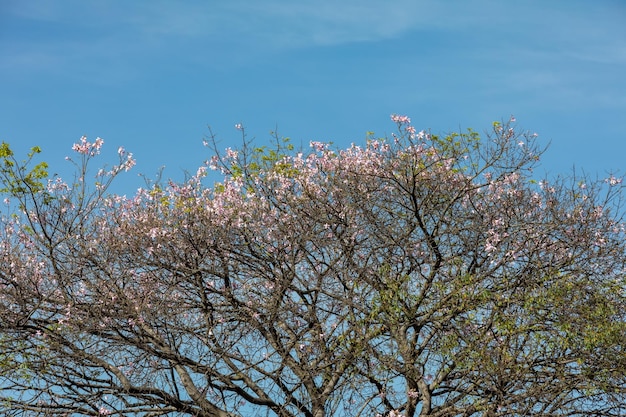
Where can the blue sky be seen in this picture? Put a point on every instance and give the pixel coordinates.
(151, 75)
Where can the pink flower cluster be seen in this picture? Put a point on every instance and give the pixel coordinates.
(400, 119)
(87, 148)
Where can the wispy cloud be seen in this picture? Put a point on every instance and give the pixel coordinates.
(118, 36)
(330, 23)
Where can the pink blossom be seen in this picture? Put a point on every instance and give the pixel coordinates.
(82, 147)
(231, 154)
(87, 148)
(129, 163)
(400, 119)
(201, 172)
(213, 162)
(318, 146)
(98, 143)
(612, 180)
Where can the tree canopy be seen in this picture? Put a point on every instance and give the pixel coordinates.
(414, 275)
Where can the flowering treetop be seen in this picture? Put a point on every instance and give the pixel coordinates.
(419, 274)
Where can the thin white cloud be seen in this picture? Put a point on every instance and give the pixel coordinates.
(120, 34)
(277, 24)
(115, 33)
(331, 23)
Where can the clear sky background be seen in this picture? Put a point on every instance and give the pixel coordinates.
(151, 75)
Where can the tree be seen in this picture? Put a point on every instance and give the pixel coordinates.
(415, 275)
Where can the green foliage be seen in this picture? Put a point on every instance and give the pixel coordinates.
(14, 359)
(17, 179)
(457, 144)
(262, 159)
